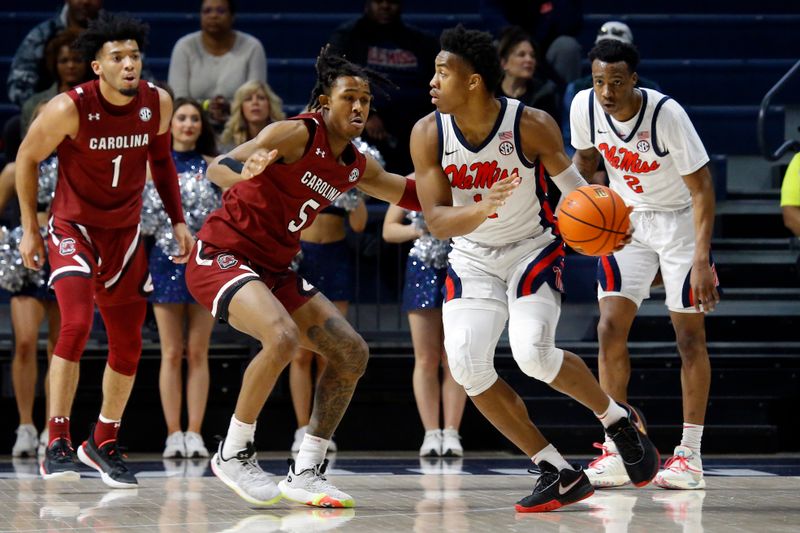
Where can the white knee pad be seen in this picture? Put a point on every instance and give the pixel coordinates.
(470, 336)
(531, 333)
(534, 350)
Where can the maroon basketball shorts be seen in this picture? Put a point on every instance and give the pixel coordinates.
(214, 275)
(113, 257)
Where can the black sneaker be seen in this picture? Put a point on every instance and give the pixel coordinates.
(60, 462)
(638, 453)
(555, 489)
(107, 460)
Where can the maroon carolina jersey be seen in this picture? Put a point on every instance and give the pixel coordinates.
(101, 172)
(261, 218)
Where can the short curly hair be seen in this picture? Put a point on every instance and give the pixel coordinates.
(109, 27)
(614, 51)
(476, 48)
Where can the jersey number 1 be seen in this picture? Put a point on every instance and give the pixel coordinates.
(297, 225)
(478, 198)
(117, 162)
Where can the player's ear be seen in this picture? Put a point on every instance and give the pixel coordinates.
(96, 67)
(635, 79)
(324, 101)
(474, 81)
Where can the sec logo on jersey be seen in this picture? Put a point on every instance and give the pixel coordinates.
(506, 148)
(643, 146)
(353, 175)
(145, 114)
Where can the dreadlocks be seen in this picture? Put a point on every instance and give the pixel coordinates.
(331, 66)
(110, 27)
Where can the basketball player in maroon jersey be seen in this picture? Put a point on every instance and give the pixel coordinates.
(104, 131)
(239, 269)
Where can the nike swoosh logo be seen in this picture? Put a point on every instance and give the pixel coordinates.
(598, 131)
(451, 152)
(563, 490)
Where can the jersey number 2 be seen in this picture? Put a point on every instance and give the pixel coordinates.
(634, 183)
(117, 162)
(478, 198)
(297, 225)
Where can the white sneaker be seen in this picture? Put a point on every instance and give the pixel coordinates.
(431, 444)
(684, 470)
(44, 441)
(175, 447)
(299, 434)
(27, 441)
(607, 470)
(451, 443)
(243, 474)
(195, 448)
(311, 487)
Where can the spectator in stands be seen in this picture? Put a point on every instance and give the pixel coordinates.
(380, 40)
(29, 73)
(65, 65)
(326, 264)
(210, 64)
(790, 196)
(193, 147)
(610, 30)
(30, 306)
(521, 79)
(553, 24)
(426, 271)
(254, 106)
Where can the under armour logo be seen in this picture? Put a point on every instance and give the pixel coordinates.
(59, 420)
(320, 152)
(94, 116)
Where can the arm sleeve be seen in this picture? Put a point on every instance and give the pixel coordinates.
(790, 189)
(165, 177)
(676, 133)
(581, 137)
(178, 76)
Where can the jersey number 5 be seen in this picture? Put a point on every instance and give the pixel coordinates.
(117, 162)
(297, 225)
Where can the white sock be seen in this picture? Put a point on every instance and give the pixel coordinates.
(692, 436)
(613, 414)
(551, 455)
(312, 452)
(105, 420)
(239, 434)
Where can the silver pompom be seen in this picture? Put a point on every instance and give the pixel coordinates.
(428, 249)
(349, 200)
(48, 176)
(199, 198)
(367, 149)
(13, 274)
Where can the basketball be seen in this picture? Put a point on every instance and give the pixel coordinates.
(593, 219)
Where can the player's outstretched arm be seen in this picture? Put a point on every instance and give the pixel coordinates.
(58, 119)
(285, 140)
(433, 188)
(389, 187)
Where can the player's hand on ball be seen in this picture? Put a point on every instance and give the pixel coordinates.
(31, 248)
(257, 162)
(185, 242)
(498, 194)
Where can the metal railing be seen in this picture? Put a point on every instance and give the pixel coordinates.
(790, 144)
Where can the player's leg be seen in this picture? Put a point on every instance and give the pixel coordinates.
(53, 327)
(684, 469)
(301, 387)
(614, 365)
(170, 320)
(27, 314)
(200, 325)
(454, 399)
(426, 337)
(325, 331)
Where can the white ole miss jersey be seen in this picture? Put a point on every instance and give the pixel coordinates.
(646, 156)
(472, 170)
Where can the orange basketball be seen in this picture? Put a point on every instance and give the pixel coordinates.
(593, 220)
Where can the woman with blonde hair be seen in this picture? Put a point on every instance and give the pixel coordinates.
(255, 105)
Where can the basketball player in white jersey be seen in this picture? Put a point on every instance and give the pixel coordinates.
(480, 164)
(656, 162)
